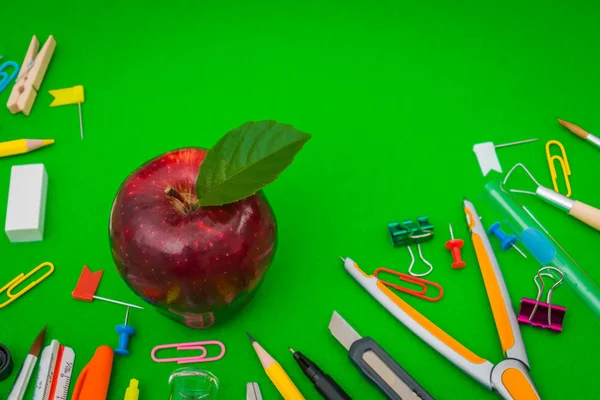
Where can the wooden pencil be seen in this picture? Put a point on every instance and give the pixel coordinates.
(276, 374)
(22, 146)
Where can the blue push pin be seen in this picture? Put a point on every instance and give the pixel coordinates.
(506, 241)
(124, 332)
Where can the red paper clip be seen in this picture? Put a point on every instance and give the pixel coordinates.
(423, 283)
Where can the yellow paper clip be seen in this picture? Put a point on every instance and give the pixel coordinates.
(20, 279)
(564, 163)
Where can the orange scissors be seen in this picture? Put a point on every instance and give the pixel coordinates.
(510, 377)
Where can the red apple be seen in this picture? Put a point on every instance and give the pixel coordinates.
(197, 265)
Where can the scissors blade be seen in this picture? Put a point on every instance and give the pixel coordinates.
(479, 368)
(504, 315)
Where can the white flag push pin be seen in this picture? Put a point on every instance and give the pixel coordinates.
(487, 157)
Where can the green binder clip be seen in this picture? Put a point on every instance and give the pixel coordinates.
(407, 233)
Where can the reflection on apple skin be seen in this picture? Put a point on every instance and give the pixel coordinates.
(198, 267)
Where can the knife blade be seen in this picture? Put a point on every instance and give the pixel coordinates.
(376, 364)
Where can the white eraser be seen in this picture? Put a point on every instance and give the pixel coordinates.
(26, 203)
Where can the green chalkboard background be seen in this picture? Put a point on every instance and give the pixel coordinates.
(395, 95)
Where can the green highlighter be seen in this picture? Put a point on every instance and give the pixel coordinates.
(540, 243)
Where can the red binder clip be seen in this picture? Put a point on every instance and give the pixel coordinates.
(423, 283)
(540, 314)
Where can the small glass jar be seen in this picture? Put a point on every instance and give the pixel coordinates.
(193, 384)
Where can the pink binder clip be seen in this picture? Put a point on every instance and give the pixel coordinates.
(189, 346)
(540, 314)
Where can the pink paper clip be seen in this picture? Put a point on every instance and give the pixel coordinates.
(189, 346)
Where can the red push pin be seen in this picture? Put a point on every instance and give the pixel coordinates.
(454, 245)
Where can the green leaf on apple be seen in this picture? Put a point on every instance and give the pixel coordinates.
(245, 160)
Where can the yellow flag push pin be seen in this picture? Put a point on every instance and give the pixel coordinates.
(73, 95)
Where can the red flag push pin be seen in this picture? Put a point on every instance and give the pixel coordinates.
(88, 284)
(454, 245)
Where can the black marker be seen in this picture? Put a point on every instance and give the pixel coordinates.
(324, 384)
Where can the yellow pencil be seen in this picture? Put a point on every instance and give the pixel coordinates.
(21, 146)
(276, 374)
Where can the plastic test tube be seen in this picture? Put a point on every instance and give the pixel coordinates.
(541, 246)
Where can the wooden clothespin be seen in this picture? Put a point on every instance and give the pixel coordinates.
(31, 75)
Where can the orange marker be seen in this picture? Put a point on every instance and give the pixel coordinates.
(93, 381)
(581, 132)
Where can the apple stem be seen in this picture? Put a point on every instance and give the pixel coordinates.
(187, 207)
